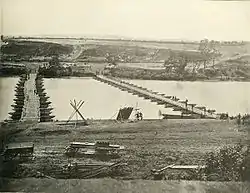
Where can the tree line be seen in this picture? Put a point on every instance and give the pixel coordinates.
(207, 53)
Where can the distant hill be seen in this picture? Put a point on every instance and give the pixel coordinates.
(232, 54)
(33, 48)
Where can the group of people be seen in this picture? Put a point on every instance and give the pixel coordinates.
(139, 115)
(174, 98)
(240, 119)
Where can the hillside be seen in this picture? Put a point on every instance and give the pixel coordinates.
(15, 49)
(136, 50)
(232, 63)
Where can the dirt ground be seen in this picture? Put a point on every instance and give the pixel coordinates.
(149, 144)
(117, 186)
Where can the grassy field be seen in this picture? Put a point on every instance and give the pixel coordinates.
(150, 144)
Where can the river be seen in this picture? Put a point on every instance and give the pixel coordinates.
(230, 97)
(103, 101)
(7, 93)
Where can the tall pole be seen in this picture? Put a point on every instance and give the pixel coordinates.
(1, 20)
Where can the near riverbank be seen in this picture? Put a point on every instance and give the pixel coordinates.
(149, 144)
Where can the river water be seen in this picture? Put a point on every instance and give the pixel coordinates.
(103, 101)
(231, 97)
(7, 93)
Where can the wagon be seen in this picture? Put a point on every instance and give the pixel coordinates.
(22, 151)
(96, 148)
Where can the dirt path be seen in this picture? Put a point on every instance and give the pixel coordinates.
(77, 50)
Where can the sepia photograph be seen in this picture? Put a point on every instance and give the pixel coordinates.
(125, 96)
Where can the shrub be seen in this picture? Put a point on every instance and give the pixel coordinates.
(229, 163)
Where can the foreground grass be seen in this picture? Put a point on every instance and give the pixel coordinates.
(150, 144)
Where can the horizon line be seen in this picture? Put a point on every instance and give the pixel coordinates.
(113, 37)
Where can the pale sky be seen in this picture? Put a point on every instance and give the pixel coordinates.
(154, 19)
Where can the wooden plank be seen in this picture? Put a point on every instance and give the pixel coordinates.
(187, 167)
(79, 105)
(162, 169)
(179, 167)
(77, 111)
(86, 145)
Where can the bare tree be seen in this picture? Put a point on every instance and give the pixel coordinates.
(209, 50)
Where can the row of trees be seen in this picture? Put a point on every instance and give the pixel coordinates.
(208, 52)
(54, 68)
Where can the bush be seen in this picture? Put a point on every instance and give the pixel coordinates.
(211, 72)
(229, 163)
(12, 71)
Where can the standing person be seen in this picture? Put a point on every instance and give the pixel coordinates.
(227, 116)
(239, 119)
(186, 103)
(141, 116)
(137, 116)
(159, 114)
